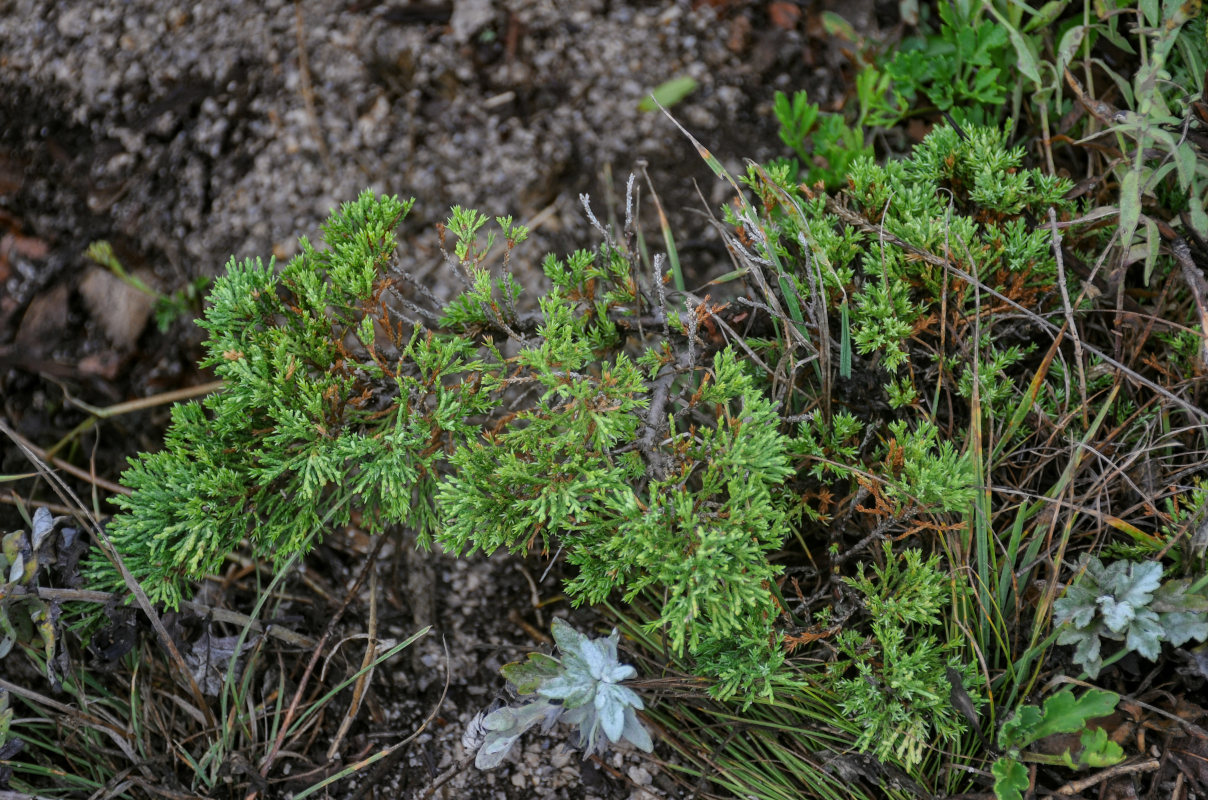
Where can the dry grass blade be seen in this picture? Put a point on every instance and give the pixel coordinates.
(1129, 768)
(677, 274)
(395, 751)
(13, 499)
(113, 730)
(44, 455)
(1069, 312)
(128, 407)
(311, 714)
(279, 740)
(358, 690)
(1029, 399)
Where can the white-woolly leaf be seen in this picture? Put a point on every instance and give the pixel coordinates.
(636, 732)
(618, 673)
(612, 714)
(505, 725)
(595, 657)
(1116, 615)
(567, 638)
(1143, 579)
(494, 751)
(1181, 628)
(572, 689)
(586, 682)
(1145, 635)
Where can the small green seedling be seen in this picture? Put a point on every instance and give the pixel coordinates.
(898, 680)
(825, 144)
(1062, 713)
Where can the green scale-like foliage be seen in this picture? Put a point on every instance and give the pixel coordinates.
(313, 422)
(601, 428)
(962, 197)
(334, 404)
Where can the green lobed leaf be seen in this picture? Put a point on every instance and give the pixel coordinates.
(1138, 581)
(1174, 597)
(1077, 607)
(1010, 778)
(1180, 628)
(1098, 750)
(1065, 713)
(1088, 653)
(1116, 615)
(1145, 634)
(1014, 732)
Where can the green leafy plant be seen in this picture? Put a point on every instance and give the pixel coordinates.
(957, 69)
(961, 221)
(1134, 74)
(966, 196)
(1127, 602)
(1163, 166)
(901, 693)
(645, 437)
(824, 143)
(583, 689)
(651, 463)
(1063, 712)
